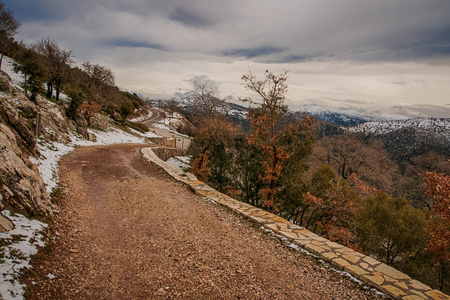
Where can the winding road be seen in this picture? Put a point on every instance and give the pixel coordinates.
(155, 117)
(126, 230)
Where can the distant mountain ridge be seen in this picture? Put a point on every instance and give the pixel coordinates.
(440, 126)
(346, 117)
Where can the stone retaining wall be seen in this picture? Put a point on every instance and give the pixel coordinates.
(166, 153)
(371, 271)
(173, 142)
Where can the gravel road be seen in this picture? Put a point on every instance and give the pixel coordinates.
(126, 230)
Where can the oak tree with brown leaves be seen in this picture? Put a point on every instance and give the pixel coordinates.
(273, 132)
(213, 126)
(438, 188)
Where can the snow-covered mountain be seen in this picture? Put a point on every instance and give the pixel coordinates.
(346, 117)
(439, 126)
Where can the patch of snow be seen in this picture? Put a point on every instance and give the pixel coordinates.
(7, 66)
(47, 163)
(186, 159)
(142, 118)
(181, 162)
(353, 278)
(148, 134)
(294, 246)
(161, 126)
(25, 239)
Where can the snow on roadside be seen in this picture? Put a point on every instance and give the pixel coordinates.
(142, 118)
(148, 134)
(23, 242)
(26, 236)
(181, 162)
(162, 126)
(52, 152)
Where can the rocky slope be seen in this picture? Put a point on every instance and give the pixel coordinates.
(21, 186)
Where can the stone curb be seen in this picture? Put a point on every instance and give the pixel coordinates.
(372, 272)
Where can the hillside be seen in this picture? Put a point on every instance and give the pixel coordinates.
(405, 139)
(439, 126)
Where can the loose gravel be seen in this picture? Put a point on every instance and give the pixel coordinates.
(126, 230)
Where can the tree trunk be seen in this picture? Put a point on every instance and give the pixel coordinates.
(441, 275)
(25, 84)
(49, 90)
(58, 87)
(1, 59)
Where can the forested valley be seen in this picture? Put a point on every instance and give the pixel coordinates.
(344, 186)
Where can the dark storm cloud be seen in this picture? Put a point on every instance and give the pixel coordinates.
(364, 46)
(47, 11)
(294, 58)
(253, 52)
(345, 30)
(189, 18)
(136, 44)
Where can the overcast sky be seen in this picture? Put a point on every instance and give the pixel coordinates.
(383, 55)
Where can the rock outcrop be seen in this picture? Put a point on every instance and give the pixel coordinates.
(21, 186)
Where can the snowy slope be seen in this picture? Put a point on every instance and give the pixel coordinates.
(7, 66)
(435, 125)
(17, 78)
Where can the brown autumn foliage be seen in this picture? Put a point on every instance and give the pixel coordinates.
(89, 109)
(363, 189)
(349, 154)
(271, 131)
(438, 187)
(212, 129)
(333, 211)
(200, 166)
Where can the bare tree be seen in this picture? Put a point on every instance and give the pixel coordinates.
(99, 76)
(173, 106)
(8, 28)
(348, 154)
(204, 97)
(272, 91)
(58, 62)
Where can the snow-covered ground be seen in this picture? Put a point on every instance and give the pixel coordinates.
(182, 162)
(142, 118)
(148, 134)
(437, 125)
(21, 243)
(7, 66)
(170, 123)
(17, 78)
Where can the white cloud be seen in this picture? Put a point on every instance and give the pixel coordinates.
(376, 52)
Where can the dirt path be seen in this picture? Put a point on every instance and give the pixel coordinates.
(155, 117)
(128, 231)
